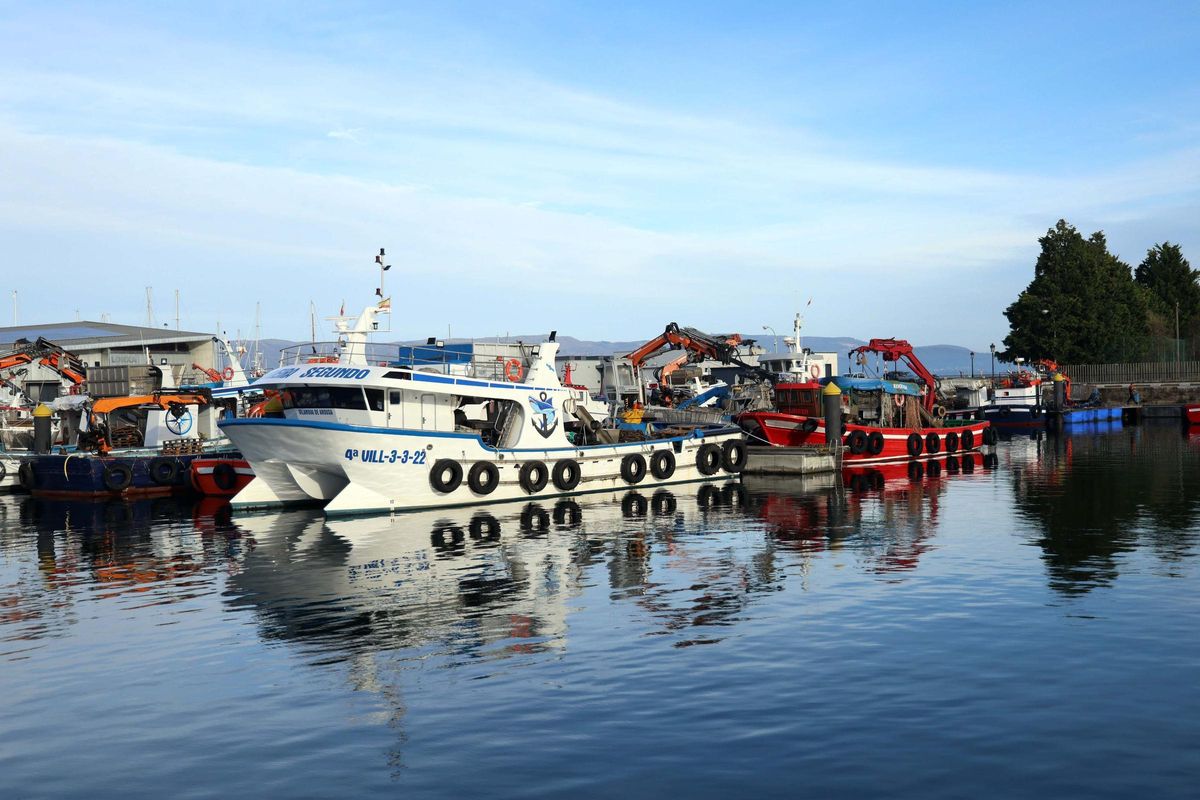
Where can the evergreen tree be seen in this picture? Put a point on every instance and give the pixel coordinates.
(1082, 306)
(1170, 279)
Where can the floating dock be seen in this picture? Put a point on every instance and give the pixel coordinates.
(767, 460)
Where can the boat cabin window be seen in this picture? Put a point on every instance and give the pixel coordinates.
(343, 397)
(374, 399)
(799, 401)
(394, 397)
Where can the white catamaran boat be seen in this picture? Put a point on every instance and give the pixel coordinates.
(450, 425)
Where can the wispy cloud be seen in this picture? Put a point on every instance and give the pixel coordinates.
(509, 194)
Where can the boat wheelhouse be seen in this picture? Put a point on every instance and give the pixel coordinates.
(1016, 401)
(435, 426)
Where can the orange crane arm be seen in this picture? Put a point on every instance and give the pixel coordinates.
(15, 360)
(721, 348)
(107, 405)
(49, 355)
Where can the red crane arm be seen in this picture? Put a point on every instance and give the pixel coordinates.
(212, 374)
(897, 350)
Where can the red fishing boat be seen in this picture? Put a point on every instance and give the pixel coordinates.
(882, 420)
(220, 477)
(1191, 413)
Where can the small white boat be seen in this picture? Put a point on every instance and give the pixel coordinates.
(437, 426)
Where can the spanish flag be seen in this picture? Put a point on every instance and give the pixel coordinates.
(385, 304)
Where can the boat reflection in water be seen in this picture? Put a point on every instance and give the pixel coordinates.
(493, 581)
(131, 553)
(484, 581)
(886, 514)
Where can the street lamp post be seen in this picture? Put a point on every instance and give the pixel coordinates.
(972, 363)
(992, 347)
(774, 337)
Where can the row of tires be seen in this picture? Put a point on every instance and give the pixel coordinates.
(536, 520)
(118, 475)
(919, 469)
(859, 442)
(483, 477)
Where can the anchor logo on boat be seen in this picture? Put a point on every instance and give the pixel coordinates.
(544, 417)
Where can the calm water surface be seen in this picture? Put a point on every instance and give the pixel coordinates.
(1028, 629)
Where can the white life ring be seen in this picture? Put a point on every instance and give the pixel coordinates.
(815, 371)
(228, 374)
(899, 400)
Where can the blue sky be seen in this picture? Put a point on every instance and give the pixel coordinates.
(586, 167)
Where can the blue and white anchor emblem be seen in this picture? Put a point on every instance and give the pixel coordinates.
(544, 417)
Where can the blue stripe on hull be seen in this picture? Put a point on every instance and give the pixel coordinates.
(472, 437)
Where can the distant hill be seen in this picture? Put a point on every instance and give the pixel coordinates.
(942, 359)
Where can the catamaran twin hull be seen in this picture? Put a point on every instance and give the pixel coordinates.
(355, 469)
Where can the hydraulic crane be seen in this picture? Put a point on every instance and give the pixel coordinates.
(700, 346)
(48, 354)
(895, 350)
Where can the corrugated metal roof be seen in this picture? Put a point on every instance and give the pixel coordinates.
(81, 335)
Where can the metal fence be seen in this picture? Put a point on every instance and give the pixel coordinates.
(1146, 372)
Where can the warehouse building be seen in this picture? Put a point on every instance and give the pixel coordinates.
(104, 344)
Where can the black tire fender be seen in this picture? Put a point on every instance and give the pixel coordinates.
(26, 476)
(952, 442)
(662, 464)
(224, 476)
(933, 443)
(856, 441)
(118, 476)
(533, 477)
(875, 443)
(445, 476)
(566, 474)
(733, 456)
(708, 459)
(164, 470)
(915, 444)
(483, 478)
(633, 468)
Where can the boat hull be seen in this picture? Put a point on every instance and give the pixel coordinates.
(359, 470)
(8, 473)
(83, 475)
(793, 430)
(1191, 414)
(219, 477)
(1014, 416)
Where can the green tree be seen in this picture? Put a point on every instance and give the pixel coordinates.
(1170, 279)
(1082, 306)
